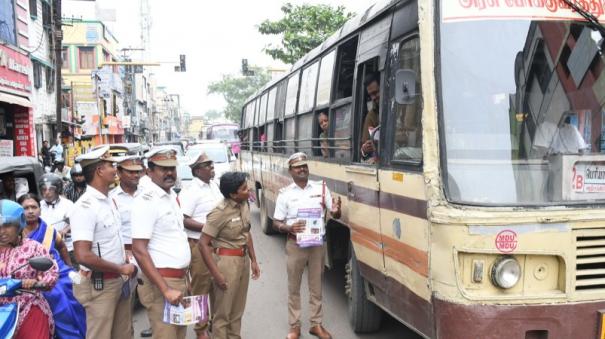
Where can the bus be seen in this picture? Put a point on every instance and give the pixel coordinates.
(482, 214)
(226, 132)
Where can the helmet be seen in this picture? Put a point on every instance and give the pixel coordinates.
(52, 180)
(76, 170)
(11, 213)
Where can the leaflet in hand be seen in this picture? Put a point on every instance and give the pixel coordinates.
(313, 235)
(192, 310)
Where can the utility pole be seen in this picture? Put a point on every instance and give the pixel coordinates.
(58, 38)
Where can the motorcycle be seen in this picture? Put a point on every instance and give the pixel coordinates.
(10, 287)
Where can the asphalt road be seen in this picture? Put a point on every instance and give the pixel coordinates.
(266, 313)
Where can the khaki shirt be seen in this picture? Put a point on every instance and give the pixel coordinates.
(229, 224)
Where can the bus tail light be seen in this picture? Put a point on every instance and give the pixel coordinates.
(506, 272)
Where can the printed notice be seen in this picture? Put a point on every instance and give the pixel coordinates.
(312, 236)
(192, 310)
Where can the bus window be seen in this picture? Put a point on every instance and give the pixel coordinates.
(407, 118)
(368, 112)
(305, 133)
(342, 133)
(323, 129)
(290, 135)
(324, 84)
(307, 88)
(346, 69)
(291, 94)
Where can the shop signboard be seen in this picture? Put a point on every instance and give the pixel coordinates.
(14, 71)
(24, 133)
(6, 148)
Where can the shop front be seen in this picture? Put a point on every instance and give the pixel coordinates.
(16, 115)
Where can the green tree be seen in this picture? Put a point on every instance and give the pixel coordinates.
(302, 28)
(236, 88)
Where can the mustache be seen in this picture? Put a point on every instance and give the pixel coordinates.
(169, 177)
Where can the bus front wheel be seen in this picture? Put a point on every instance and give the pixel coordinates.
(364, 316)
(266, 223)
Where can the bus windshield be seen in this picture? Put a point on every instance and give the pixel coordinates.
(522, 112)
(223, 132)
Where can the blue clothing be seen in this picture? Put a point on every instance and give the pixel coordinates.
(69, 315)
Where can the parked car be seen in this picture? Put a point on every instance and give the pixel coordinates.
(219, 152)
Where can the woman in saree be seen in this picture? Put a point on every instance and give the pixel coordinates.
(35, 317)
(69, 315)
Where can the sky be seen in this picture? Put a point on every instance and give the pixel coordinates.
(214, 35)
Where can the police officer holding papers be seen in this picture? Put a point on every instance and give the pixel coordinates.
(300, 212)
(99, 249)
(159, 243)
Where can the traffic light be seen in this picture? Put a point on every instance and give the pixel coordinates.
(183, 67)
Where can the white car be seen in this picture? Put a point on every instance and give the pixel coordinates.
(219, 152)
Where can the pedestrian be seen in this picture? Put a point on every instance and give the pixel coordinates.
(56, 152)
(197, 200)
(159, 243)
(309, 196)
(9, 190)
(61, 170)
(228, 251)
(130, 169)
(99, 250)
(55, 210)
(77, 186)
(45, 154)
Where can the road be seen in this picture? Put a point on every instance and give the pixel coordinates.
(266, 310)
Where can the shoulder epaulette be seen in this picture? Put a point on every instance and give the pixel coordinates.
(148, 195)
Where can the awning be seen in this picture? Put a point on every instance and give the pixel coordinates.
(15, 100)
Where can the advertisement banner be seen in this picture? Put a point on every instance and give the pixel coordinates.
(463, 10)
(24, 133)
(6, 148)
(14, 71)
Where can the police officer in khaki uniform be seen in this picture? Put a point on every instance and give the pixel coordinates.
(159, 243)
(197, 200)
(303, 194)
(226, 245)
(99, 249)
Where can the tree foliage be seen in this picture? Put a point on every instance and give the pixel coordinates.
(236, 88)
(303, 28)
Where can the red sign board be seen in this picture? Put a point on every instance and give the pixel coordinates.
(24, 133)
(14, 71)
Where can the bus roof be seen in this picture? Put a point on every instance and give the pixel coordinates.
(350, 26)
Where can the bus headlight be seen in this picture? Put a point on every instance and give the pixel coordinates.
(506, 272)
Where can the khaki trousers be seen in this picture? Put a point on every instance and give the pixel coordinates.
(298, 259)
(201, 279)
(107, 316)
(228, 305)
(153, 300)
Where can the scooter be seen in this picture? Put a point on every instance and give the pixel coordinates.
(9, 287)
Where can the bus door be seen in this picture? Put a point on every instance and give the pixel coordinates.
(363, 173)
(403, 201)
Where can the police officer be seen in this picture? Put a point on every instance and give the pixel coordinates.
(55, 209)
(227, 235)
(99, 250)
(197, 200)
(159, 243)
(303, 193)
(76, 188)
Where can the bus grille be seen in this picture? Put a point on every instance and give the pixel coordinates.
(590, 259)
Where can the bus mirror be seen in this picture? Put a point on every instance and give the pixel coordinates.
(405, 86)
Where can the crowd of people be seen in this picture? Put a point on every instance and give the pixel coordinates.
(119, 226)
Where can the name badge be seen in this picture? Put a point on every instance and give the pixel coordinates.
(236, 219)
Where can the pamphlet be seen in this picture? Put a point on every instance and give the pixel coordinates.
(192, 310)
(312, 235)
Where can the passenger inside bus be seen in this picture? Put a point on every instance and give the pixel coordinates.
(322, 120)
(372, 120)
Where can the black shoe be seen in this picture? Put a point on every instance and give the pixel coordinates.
(146, 333)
